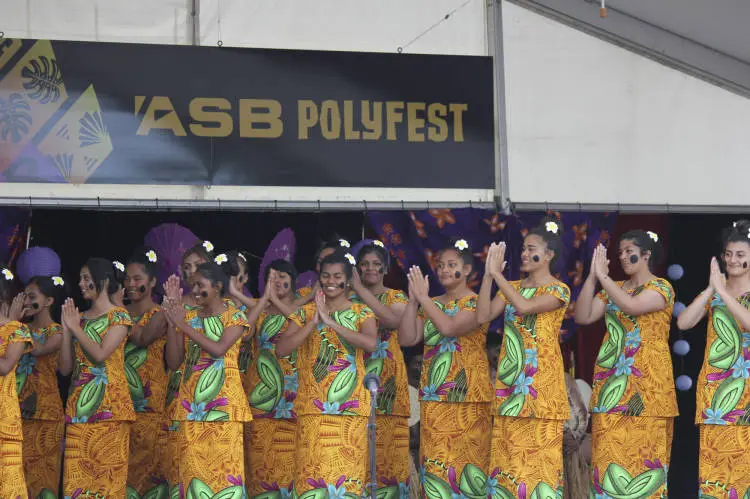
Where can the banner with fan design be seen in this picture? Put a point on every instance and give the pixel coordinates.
(116, 113)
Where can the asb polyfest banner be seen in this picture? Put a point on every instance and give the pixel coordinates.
(110, 113)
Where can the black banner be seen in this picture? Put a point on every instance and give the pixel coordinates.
(153, 114)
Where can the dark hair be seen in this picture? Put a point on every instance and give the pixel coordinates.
(280, 265)
(140, 257)
(200, 251)
(102, 269)
(339, 256)
(48, 288)
(333, 243)
(642, 239)
(380, 251)
(119, 276)
(232, 267)
(738, 232)
(466, 255)
(553, 240)
(215, 274)
(7, 286)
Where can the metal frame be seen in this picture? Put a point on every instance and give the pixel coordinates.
(631, 208)
(648, 40)
(188, 197)
(495, 45)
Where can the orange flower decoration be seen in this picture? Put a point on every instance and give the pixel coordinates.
(395, 239)
(577, 274)
(387, 229)
(495, 224)
(604, 237)
(482, 255)
(419, 225)
(432, 258)
(581, 235)
(442, 217)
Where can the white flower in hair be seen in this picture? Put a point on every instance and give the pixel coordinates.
(151, 255)
(220, 259)
(209, 247)
(351, 259)
(119, 266)
(461, 245)
(734, 224)
(344, 243)
(8, 275)
(653, 236)
(58, 281)
(551, 227)
(244, 259)
(378, 243)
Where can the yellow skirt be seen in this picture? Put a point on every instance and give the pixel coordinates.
(454, 441)
(392, 448)
(12, 481)
(147, 466)
(270, 453)
(96, 458)
(332, 450)
(211, 458)
(724, 464)
(42, 455)
(527, 456)
(631, 450)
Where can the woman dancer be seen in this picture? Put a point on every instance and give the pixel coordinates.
(307, 294)
(191, 259)
(387, 362)
(722, 389)
(633, 401)
(330, 336)
(147, 379)
(234, 264)
(456, 393)
(99, 410)
(271, 381)
(39, 395)
(15, 339)
(204, 343)
(532, 401)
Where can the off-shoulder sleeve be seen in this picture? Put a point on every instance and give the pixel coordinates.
(234, 317)
(364, 314)
(120, 317)
(560, 291)
(662, 287)
(397, 296)
(301, 316)
(20, 334)
(468, 303)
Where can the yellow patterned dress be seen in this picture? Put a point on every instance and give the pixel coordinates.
(98, 416)
(723, 405)
(43, 416)
(147, 380)
(271, 438)
(210, 411)
(12, 482)
(532, 401)
(394, 409)
(332, 408)
(633, 404)
(456, 413)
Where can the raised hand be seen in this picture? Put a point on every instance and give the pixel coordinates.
(717, 279)
(70, 316)
(16, 311)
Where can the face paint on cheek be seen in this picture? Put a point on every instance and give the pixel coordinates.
(91, 285)
(35, 306)
(142, 288)
(458, 275)
(744, 265)
(535, 258)
(342, 285)
(204, 294)
(286, 285)
(634, 259)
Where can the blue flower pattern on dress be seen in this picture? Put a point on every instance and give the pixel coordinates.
(623, 365)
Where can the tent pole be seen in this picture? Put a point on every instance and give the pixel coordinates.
(495, 44)
(195, 15)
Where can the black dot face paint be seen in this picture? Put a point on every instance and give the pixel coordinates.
(35, 306)
(458, 275)
(204, 294)
(535, 258)
(91, 285)
(381, 270)
(744, 265)
(142, 288)
(342, 285)
(634, 259)
(286, 285)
